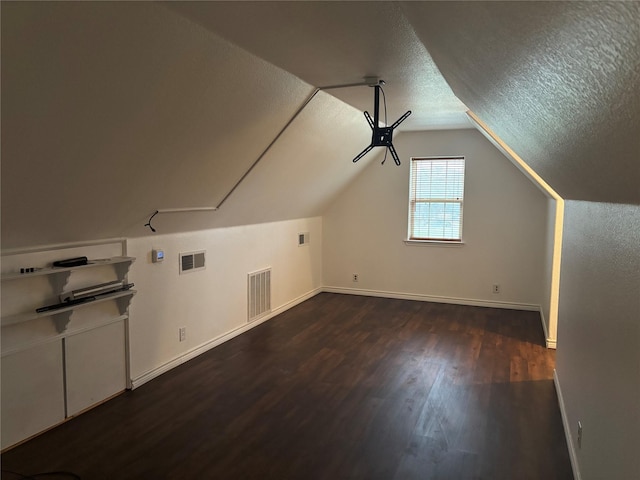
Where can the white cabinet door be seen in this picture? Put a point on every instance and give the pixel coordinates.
(32, 391)
(95, 362)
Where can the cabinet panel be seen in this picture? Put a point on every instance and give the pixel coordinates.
(95, 366)
(32, 391)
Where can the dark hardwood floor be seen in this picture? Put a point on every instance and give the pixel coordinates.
(339, 387)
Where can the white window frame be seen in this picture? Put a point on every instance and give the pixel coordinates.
(412, 238)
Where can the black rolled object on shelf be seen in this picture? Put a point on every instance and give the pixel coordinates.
(66, 304)
(71, 262)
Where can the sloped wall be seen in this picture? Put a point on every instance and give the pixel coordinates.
(111, 110)
(505, 222)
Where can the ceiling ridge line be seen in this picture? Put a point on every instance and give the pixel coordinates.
(369, 82)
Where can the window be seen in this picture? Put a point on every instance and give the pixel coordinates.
(435, 199)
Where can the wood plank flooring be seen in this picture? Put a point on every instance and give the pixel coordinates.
(338, 387)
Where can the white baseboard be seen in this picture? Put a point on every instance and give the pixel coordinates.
(567, 429)
(200, 349)
(551, 342)
(432, 298)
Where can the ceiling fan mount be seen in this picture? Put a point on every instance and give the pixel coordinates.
(381, 136)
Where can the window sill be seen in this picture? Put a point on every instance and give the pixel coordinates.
(436, 243)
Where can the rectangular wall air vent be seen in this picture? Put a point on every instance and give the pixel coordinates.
(259, 294)
(192, 261)
(303, 239)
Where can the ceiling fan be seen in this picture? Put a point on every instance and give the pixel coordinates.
(381, 136)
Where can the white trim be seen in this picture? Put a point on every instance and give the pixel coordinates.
(551, 342)
(497, 142)
(433, 243)
(186, 209)
(538, 181)
(431, 298)
(179, 360)
(413, 181)
(556, 264)
(62, 246)
(567, 429)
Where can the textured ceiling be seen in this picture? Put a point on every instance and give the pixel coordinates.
(111, 110)
(559, 82)
(336, 43)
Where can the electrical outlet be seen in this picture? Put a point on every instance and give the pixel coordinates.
(579, 435)
(496, 288)
(355, 277)
(183, 333)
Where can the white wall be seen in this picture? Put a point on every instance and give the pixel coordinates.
(212, 303)
(598, 359)
(505, 224)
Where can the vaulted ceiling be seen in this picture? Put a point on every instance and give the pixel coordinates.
(557, 81)
(337, 43)
(113, 110)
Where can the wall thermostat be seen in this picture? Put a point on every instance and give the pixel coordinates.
(157, 255)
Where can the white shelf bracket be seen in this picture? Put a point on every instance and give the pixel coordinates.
(123, 303)
(61, 320)
(122, 269)
(58, 280)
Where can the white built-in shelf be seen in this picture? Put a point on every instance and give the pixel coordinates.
(58, 277)
(65, 313)
(60, 270)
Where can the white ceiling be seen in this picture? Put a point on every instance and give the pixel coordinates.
(337, 43)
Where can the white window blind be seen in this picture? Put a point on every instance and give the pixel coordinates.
(436, 196)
